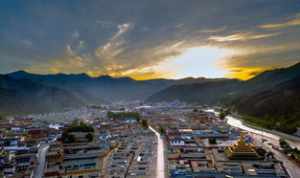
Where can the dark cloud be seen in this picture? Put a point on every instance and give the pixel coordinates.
(117, 36)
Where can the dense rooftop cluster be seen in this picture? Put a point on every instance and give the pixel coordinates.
(121, 141)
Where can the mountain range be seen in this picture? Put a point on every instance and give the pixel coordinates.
(228, 90)
(23, 92)
(271, 99)
(26, 96)
(274, 92)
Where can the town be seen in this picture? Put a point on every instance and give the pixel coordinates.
(149, 89)
(173, 140)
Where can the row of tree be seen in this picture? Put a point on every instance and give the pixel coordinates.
(122, 115)
(292, 152)
(77, 126)
(282, 124)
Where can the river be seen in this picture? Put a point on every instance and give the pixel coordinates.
(235, 122)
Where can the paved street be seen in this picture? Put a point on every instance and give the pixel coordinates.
(160, 169)
(41, 160)
(292, 168)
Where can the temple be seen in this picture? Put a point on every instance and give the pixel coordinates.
(241, 150)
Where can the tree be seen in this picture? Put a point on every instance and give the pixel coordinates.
(89, 137)
(144, 124)
(162, 130)
(212, 141)
(67, 138)
(262, 152)
(285, 146)
(110, 114)
(122, 115)
(77, 126)
(223, 113)
(137, 117)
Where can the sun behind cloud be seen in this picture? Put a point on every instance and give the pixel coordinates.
(196, 62)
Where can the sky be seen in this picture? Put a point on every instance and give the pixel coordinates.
(147, 39)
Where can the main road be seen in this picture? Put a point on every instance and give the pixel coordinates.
(160, 165)
(41, 157)
(292, 168)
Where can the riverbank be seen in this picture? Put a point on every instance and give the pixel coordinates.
(275, 132)
(280, 124)
(236, 121)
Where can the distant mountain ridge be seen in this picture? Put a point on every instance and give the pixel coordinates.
(75, 90)
(208, 92)
(25, 92)
(99, 89)
(282, 100)
(227, 88)
(103, 88)
(26, 96)
(273, 96)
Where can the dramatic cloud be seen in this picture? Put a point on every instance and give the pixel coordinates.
(290, 23)
(149, 39)
(241, 37)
